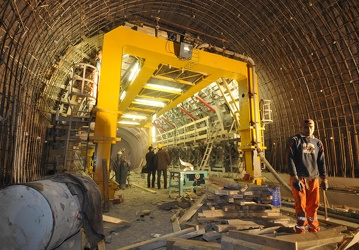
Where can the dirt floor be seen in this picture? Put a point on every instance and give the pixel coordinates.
(140, 227)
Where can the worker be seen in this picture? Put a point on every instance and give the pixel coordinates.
(150, 166)
(124, 169)
(306, 163)
(162, 162)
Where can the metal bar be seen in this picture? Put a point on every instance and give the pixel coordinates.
(186, 112)
(158, 126)
(168, 122)
(206, 104)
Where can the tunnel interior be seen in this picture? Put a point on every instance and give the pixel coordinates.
(305, 54)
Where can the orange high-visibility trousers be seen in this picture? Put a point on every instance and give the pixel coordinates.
(306, 205)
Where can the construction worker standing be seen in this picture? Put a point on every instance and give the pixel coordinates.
(151, 168)
(306, 163)
(162, 162)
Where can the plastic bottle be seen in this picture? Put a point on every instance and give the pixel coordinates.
(276, 197)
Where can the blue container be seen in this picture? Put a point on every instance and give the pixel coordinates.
(276, 198)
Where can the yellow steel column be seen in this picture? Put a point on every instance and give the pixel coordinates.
(249, 124)
(107, 112)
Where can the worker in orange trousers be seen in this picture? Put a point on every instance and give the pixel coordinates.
(306, 163)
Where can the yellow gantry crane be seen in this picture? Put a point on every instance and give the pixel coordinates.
(143, 75)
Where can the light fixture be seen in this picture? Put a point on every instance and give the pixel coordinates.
(150, 102)
(185, 51)
(123, 94)
(129, 122)
(164, 88)
(134, 116)
(134, 72)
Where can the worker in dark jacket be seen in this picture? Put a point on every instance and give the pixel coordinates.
(162, 162)
(151, 168)
(306, 163)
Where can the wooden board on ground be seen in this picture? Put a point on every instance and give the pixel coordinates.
(221, 191)
(174, 219)
(185, 244)
(330, 221)
(350, 241)
(263, 240)
(114, 220)
(192, 210)
(237, 225)
(304, 241)
(157, 242)
(211, 236)
(218, 213)
(175, 225)
(230, 243)
(147, 189)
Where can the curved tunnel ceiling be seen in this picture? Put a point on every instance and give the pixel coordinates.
(306, 55)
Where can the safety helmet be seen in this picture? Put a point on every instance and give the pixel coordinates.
(159, 146)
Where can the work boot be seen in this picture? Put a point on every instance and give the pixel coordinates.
(300, 229)
(313, 230)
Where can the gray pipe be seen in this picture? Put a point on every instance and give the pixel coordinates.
(247, 59)
(275, 174)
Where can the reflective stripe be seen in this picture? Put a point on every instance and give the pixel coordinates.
(302, 218)
(312, 218)
(300, 227)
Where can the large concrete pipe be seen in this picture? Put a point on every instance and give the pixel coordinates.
(44, 213)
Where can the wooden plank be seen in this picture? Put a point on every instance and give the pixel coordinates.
(194, 234)
(174, 219)
(221, 191)
(185, 244)
(267, 230)
(331, 221)
(192, 210)
(236, 226)
(349, 241)
(229, 183)
(324, 237)
(175, 225)
(146, 189)
(264, 240)
(236, 214)
(114, 220)
(101, 245)
(230, 243)
(352, 241)
(217, 186)
(211, 236)
(157, 242)
(240, 222)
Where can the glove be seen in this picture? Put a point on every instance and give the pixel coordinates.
(297, 184)
(324, 184)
